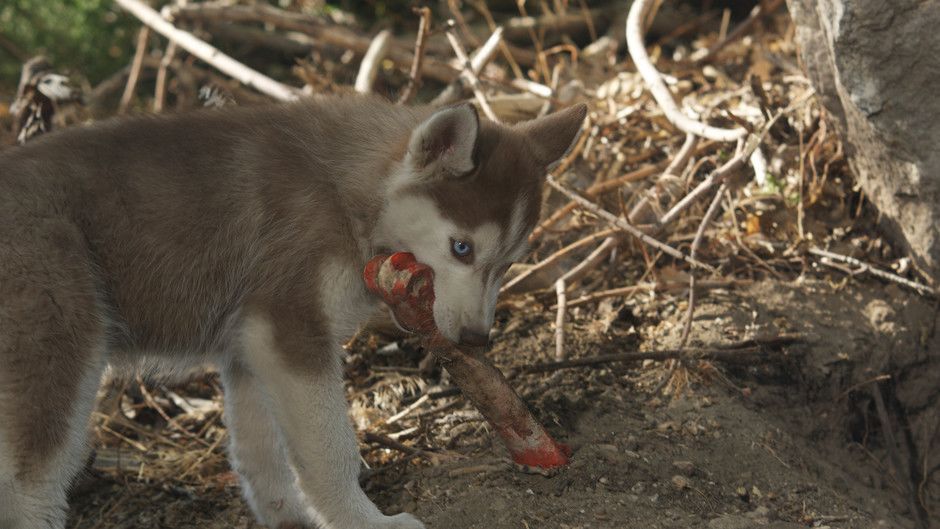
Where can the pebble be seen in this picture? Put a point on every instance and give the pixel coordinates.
(685, 468)
(680, 482)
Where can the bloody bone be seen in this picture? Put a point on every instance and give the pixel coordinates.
(406, 286)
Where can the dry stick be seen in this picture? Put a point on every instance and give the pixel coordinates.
(562, 300)
(471, 76)
(673, 169)
(589, 262)
(756, 14)
(656, 86)
(142, 36)
(742, 355)
(627, 227)
(458, 17)
(209, 53)
(749, 151)
(159, 95)
(322, 34)
(554, 258)
(540, 61)
(591, 192)
(699, 235)
(404, 413)
(480, 6)
(892, 445)
(653, 287)
(480, 58)
(600, 187)
(865, 267)
(388, 442)
(414, 77)
(371, 62)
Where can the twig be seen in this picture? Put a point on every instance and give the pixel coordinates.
(562, 301)
(480, 58)
(656, 86)
(404, 413)
(894, 452)
(142, 36)
(589, 262)
(159, 95)
(322, 33)
(601, 187)
(693, 251)
(627, 227)
(414, 76)
(673, 169)
(480, 6)
(371, 62)
(209, 53)
(554, 258)
(470, 75)
(746, 151)
(657, 287)
(591, 192)
(760, 10)
(877, 272)
(388, 442)
(751, 354)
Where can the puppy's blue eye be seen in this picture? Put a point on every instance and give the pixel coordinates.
(461, 249)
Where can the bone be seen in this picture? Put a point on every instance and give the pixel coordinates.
(406, 286)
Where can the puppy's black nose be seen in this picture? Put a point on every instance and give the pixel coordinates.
(474, 338)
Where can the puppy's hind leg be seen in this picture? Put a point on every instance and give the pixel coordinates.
(52, 354)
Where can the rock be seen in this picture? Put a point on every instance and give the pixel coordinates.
(680, 482)
(686, 468)
(873, 63)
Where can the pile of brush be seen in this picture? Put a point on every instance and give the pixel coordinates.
(705, 164)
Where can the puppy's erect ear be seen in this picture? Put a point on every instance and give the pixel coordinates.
(444, 145)
(554, 135)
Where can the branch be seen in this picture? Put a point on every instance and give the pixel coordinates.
(142, 36)
(699, 235)
(371, 62)
(626, 226)
(468, 66)
(657, 87)
(414, 77)
(512, 284)
(589, 262)
(755, 351)
(209, 53)
(877, 272)
(470, 74)
(323, 34)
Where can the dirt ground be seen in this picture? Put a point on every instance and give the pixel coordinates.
(794, 441)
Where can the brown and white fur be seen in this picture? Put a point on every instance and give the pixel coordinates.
(237, 237)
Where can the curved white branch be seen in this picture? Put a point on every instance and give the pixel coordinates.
(657, 87)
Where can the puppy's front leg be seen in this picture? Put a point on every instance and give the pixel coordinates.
(310, 406)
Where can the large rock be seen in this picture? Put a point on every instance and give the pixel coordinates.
(875, 65)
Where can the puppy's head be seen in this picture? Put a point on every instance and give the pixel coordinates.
(464, 200)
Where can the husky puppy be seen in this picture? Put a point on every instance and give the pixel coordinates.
(237, 237)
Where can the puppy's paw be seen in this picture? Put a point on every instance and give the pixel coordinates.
(402, 521)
